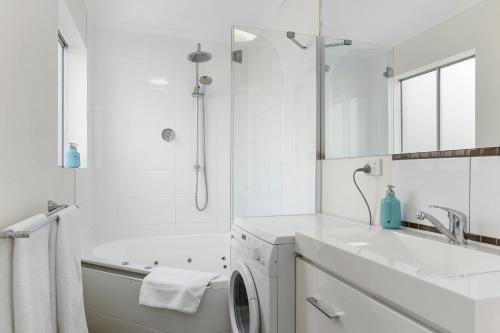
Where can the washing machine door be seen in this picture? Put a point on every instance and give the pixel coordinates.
(243, 301)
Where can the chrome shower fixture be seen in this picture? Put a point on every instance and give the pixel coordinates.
(291, 35)
(345, 42)
(199, 92)
(205, 80)
(199, 55)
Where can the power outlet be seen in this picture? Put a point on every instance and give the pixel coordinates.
(375, 166)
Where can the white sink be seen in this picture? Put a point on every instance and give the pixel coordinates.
(421, 256)
(448, 287)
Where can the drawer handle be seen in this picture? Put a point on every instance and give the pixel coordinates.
(315, 303)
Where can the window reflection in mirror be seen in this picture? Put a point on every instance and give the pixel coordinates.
(444, 93)
(437, 108)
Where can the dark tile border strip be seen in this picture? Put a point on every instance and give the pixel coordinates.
(472, 237)
(477, 152)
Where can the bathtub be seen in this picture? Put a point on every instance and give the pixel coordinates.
(113, 273)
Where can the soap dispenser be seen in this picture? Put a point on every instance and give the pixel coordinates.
(390, 210)
(72, 156)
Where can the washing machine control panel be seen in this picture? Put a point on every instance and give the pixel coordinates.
(253, 251)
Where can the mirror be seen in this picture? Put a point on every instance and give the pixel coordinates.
(356, 91)
(441, 86)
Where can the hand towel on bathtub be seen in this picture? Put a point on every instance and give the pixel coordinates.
(32, 297)
(69, 291)
(175, 289)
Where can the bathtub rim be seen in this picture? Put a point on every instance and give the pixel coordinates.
(139, 271)
(221, 282)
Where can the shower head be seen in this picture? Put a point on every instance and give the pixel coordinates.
(206, 80)
(199, 55)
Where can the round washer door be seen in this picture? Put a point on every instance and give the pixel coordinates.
(243, 301)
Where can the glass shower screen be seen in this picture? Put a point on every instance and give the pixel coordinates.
(274, 123)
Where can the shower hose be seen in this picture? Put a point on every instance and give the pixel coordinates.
(200, 113)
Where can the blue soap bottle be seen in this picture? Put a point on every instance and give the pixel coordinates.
(390, 210)
(72, 157)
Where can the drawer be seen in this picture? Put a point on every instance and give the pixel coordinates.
(326, 304)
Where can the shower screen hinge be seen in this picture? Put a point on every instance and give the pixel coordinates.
(389, 72)
(238, 56)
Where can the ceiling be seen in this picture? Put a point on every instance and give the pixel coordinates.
(386, 22)
(205, 18)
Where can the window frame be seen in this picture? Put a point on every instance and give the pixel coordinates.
(437, 69)
(61, 99)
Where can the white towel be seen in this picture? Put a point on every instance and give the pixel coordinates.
(70, 307)
(33, 303)
(175, 289)
(6, 315)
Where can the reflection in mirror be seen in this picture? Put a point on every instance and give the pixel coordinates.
(357, 80)
(437, 108)
(444, 93)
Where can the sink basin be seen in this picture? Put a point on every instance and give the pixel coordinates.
(421, 256)
(420, 276)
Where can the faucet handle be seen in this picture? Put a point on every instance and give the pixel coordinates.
(453, 212)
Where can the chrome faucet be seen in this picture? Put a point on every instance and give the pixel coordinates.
(457, 224)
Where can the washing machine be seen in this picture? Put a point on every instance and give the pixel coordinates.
(262, 285)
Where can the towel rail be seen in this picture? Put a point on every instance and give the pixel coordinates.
(52, 207)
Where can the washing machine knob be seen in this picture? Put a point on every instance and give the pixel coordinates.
(256, 253)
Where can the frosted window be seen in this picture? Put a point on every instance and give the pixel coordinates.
(458, 88)
(419, 113)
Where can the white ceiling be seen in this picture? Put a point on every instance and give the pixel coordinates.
(204, 18)
(386, 22)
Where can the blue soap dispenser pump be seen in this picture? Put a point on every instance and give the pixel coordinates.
(390, 210)
(72, 157)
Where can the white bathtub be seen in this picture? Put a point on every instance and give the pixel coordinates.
(113, 272)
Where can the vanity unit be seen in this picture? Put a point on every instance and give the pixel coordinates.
(355, 278)
(374, 280)
(339, 307)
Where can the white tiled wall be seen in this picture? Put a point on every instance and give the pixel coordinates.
(341, 198)
(142, 185)
(485, 196)
(471, 185)
(424, 182)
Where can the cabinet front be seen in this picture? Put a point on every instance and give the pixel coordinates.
(326, 304)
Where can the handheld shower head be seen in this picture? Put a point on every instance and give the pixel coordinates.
(205, 80)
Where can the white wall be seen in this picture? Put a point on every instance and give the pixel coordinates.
(140, 184)
(341, 198)
(462, 183)
(28, 111)
(301, 16)
(475, 29)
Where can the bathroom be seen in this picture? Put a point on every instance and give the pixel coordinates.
(223, 166)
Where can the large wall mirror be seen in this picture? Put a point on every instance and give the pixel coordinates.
(413, 76)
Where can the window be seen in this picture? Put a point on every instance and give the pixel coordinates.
(61, 46)
(438, 108)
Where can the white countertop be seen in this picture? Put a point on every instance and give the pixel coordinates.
(462, 302)
(282, 229)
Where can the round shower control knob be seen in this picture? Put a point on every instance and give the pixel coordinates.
(256, 253)
(168, 134)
